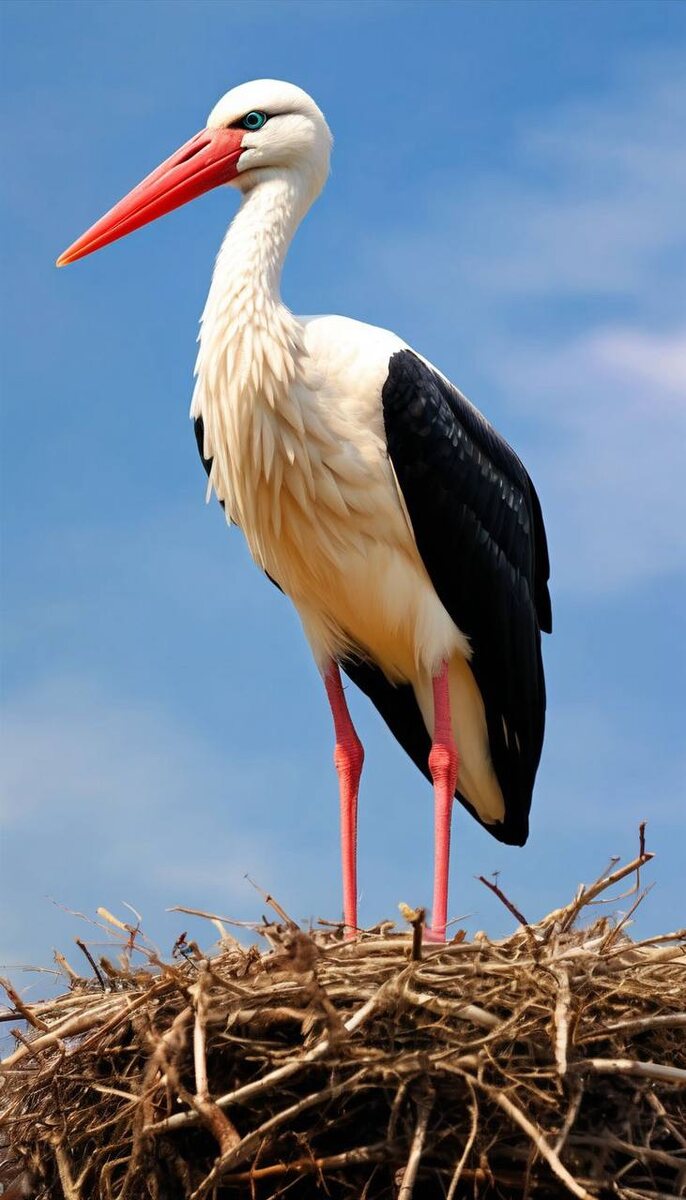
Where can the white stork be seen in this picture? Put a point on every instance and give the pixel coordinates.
(405, 530)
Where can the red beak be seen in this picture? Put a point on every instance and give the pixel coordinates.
(210, 158)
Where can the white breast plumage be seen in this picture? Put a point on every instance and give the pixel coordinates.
(329, 443)
(294, 428)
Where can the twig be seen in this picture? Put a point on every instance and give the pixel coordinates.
(588, 895)
(96, 970)
(628, 1193)
(256, 1136)
(493, 887)
(398, 1101)
(223, 1129)
(561, 1020)
(124, 926)
(250, 1090)
(459, 1169)
(545, 1150)
(642, 1153)
(659, 1108)
(20, 1007)
(613, 934)
(69, 1187)
(280, 912)
(456, 1008)
(66, 967)
(637, 1024)
(628, 1066)
(424, 1106)
(24, 1041)
(416, 918)
(218, 922)
(379, 1152)
(199, 1052)
(571, 1114)
(83, 1022)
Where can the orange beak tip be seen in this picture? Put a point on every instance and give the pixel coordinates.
(207, 160)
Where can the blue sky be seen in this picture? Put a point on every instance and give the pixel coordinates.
(507, 194)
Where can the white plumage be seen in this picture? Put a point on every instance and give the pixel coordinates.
(293, 423)
(338, 452)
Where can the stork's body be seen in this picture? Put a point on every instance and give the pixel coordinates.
(302, 468)
(404, 530)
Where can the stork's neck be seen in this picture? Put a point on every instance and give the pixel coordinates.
(245, 289)
(250, 343)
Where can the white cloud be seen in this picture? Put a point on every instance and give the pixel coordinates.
(610, 467)
(601, 197)
(561, 278)
(645, 358)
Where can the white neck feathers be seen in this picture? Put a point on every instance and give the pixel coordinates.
(249, 357)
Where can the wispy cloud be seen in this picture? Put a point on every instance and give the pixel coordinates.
(561, 281)
(611, 405)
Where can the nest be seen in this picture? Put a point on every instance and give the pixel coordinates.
(552, 1062)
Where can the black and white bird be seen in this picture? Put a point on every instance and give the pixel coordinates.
(404, 529)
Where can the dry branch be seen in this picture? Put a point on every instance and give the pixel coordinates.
(546, 1064)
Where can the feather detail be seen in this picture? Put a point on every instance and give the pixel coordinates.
(328, 493)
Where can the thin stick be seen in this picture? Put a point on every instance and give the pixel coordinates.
(545, 1150)
(280, 912)
(24, 1041)
(588, 895)
(658, 1106)
(67, 1028)
(250, 1090)
(66, 966)
(199, 1050)
(456, 1008)
(208, 916)
(614, 933)
(667, 1020)
(571, 1115)
(398, 1101)
(21, 1007)
(96, 970)
(256, 1136)
(424, 1107)
(223, 1129)
(640, 1152)
(628, 1066)
(69, 1187)
(416, 918)
(459, 1169)
(493, 887)
(561, 1020)
(349, 1158)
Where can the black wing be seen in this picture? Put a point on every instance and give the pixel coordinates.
(478, 526)
(479, 529)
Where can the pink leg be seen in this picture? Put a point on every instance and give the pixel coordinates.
(348, 757)
(443, 764)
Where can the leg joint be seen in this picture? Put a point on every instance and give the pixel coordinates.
(348, 755)
(443, 760)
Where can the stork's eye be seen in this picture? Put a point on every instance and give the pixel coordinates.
(253, 121)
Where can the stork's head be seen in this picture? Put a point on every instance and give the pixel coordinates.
(256, 131)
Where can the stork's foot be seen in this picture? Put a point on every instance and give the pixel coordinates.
(434, 937)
